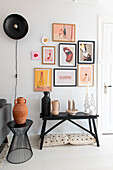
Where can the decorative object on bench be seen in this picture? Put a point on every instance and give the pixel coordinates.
(20, 110)
(55, 107)
(46, 101)
(63, 139)
(72, 111)
(86, 104)
(92, 107)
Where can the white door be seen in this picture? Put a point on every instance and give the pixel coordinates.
(105, 67)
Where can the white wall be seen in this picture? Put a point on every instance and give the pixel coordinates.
(40, 15)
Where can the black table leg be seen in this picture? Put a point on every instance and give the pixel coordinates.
(95, 131)
(90, 125)
(42, 134)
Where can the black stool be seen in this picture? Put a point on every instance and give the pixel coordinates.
(20, 149)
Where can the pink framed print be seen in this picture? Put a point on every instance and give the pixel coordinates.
(85, 75)
(48, 55)
(64, 32)
(65, 77)
(35, 55)
(43, 79)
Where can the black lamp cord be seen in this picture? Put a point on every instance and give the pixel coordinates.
(16, 70)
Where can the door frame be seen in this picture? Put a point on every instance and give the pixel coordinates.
(100, 86)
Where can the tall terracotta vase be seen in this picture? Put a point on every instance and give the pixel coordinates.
(20, 110)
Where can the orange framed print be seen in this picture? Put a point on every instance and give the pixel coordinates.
(85, 75)
(42, 79)
(48, 55)
(64, 32)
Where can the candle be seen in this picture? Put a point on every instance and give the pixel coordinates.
(87, 87)
(69, 105)
(73, 105)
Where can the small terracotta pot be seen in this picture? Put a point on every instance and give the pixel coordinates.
(20, 110)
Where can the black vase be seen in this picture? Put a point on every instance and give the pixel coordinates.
(46, 104)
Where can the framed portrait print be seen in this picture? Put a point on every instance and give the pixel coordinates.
(65, 77)
(64, 32)
(67, 55)
(42, 79)
(85, 75)
(48, 55)
(86, 52)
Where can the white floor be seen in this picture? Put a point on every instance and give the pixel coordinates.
(68, 157)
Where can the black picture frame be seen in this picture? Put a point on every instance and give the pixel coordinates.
(67, 55)
(66, 74)
(86, 53)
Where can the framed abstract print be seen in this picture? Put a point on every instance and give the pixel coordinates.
(64, 32)
(67, 55)
(85, 75)
(42, 79)
(65, 77)
(86, 52)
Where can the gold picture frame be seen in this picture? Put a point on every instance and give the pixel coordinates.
(42, 79)
(48, 55)
(64, 32)
(85, 75)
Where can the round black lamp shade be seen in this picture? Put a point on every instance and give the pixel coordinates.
(15, 26)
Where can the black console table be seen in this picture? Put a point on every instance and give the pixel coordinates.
(63, 116)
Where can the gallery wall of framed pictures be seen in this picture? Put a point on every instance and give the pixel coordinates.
(75, 60)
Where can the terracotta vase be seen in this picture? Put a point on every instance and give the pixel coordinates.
(20, 110)
(55, 107)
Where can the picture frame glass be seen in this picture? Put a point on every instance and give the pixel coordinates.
(43, 79)
(86, 75)
(86, 52)
(64, 32)
(67, 55)
(65, 77)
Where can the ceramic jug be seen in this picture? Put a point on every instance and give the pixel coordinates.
(55, 107)
(20, 110)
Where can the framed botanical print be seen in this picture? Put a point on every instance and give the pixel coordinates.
(67, 55)
(85, 75)
(86, 52)
(64, 32)
(43, 79)
(65, 77)
(48, 55)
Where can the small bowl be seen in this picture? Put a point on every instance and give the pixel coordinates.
(72, 112)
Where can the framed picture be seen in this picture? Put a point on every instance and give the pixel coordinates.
(43, 79)
(65, 77)
(86, 52)
(64, 32)
(67, 55)
(48, 55)
(35, 55)
(85, 75)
